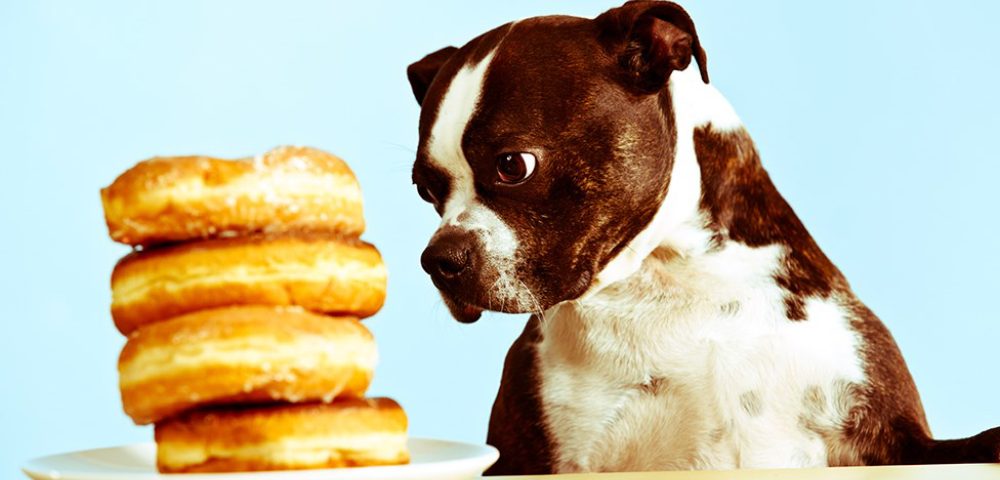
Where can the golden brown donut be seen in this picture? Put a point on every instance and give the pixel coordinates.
(169, 199)
(242, 355)
(345, 433)
(318, 272)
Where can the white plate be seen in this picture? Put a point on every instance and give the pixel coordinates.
(429, 459)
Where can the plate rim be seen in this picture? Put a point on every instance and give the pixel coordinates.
(485, 456)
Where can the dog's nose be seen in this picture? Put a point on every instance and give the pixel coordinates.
(446, 257)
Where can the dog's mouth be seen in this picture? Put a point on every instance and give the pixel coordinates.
(468, 309)
(463, 312)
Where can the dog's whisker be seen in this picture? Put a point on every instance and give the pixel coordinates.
(534, 300)
(400, 146)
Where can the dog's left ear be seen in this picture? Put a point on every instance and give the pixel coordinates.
(422, 72)
(651, 38)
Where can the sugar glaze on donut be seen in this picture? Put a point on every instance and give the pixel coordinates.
(242, 355)
(171, 199)
(344, 433)
(319, 272)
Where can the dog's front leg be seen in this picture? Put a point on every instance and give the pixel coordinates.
(516, 423)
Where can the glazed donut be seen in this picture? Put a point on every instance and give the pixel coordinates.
(242, 355)
(169, 199)
(318, 272)
(346, 433)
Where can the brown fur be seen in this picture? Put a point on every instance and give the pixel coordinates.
(515, 430)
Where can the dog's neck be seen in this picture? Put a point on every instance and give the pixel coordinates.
(680, 225)
(722, 232)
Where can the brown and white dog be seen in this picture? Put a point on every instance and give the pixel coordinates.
(587, 172)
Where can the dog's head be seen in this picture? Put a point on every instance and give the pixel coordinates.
(546, 146)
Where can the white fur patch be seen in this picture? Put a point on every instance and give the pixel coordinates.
(462, 209)
(652, 373)
(445, 141)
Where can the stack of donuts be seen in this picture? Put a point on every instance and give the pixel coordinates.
(241, 302)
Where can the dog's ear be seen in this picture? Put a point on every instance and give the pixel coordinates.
(422, 72)
(651, 38)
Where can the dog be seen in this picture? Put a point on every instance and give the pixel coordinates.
(587, 172)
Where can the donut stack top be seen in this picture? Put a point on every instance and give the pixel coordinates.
(174, 199)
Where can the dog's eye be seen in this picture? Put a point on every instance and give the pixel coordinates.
(514, 168)
(426, 194)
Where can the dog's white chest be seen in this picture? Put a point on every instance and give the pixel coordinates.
(655, 374)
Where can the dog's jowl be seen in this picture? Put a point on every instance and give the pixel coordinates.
(587, 172)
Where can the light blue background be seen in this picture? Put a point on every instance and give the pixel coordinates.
(877, 120)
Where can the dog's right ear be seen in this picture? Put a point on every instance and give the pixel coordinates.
(651, 39)
(422, 72)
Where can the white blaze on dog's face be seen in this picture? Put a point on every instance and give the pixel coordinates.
(543, 171)
(462, 213)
